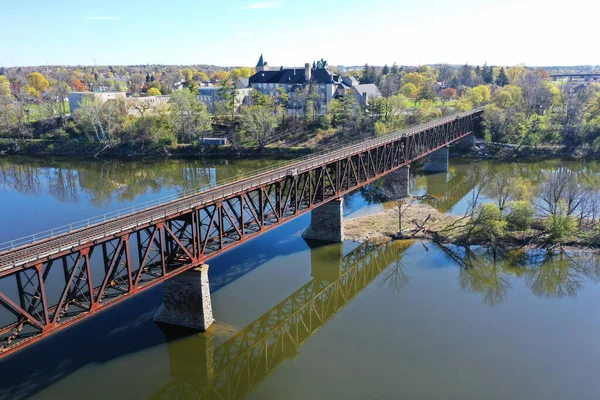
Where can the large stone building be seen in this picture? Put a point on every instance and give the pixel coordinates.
(325, 83)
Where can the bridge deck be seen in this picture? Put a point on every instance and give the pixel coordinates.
(36, 250)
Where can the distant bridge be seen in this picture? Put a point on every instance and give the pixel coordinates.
(589, 77)
(55, 279)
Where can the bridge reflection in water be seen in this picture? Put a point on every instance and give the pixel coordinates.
(233, 369)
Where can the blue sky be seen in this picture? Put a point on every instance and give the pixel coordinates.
(348, 32)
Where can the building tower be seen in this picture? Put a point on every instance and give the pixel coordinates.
(261, 65)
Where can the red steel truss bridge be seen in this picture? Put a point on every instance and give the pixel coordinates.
(49, 284)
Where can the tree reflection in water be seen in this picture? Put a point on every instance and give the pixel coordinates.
(394, 276)
(108, 180)
(548, 274)
(563, 273)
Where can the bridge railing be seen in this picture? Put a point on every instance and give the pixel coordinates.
(224, 188)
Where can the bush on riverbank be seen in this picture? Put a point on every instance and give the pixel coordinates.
(520, 216)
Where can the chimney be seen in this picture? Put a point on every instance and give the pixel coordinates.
(307, 71)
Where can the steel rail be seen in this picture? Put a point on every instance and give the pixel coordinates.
(33, 247)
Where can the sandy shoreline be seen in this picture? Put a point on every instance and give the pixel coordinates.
(385, 223)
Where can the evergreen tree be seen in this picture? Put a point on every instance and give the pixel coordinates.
(394, 69)
(478, 70)
(373, 76)
(426, 93)
(369, 75)
(147, 77)
(455, 83)
(152, 78)
(466, 75)
(385, 70)
(502, 78)
(365, 74)
(341, 109)
(487, 73)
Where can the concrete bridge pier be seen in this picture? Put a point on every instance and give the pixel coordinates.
(327, 222)
(396, 184)
(186, 300)
(437, 161)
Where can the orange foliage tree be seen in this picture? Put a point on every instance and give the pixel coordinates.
(78, 86)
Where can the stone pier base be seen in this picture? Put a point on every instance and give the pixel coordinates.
(437, 161)
(396, 185)
(327, 222)
(186, 300)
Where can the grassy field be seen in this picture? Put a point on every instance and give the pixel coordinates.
(36, 111)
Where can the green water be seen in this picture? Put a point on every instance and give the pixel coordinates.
(351, 321)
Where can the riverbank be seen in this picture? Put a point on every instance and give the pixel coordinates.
(49, 148)
(86, 149)
(422, 221)
(503, 151)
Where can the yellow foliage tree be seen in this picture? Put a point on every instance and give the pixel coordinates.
(220, 75)
(415, 78)
(187, 74)
(515, 73)
(201, 76)
(409, 90)
(508, 96)
(4, 86)
(31, 91)
(247, 72)
(478, 95)
(38, 81)
(153, 92)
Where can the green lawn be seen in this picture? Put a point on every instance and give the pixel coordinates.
(36, 110)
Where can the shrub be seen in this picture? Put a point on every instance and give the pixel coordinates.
(520, 216)
(489, 224)
(560, 227)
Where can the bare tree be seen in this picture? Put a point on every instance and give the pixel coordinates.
(444, 72)
(6, 111)
(396, 195)
(501, 187)
(561, 189)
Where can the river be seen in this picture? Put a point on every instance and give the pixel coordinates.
(377, 320)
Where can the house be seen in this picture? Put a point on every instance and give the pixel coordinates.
(364, 93)
(75, 98)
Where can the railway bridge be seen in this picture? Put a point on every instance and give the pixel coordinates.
(52, 280)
